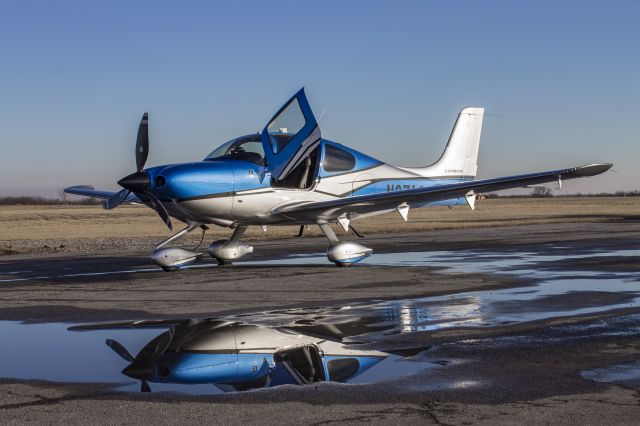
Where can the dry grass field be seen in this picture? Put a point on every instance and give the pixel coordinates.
(40, 223)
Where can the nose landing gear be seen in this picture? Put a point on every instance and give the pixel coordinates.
(224, 251)
(173, 258)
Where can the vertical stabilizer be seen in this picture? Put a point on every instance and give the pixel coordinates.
(460, 157)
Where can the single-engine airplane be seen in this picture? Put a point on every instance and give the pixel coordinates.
(289, 175)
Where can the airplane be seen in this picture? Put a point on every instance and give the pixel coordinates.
(236, 356)
(289, 175)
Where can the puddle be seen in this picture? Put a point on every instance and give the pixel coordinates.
(50, 352)
(196, 356)
(268, 348)
(623, 374)
(552, 293)
(548, 299)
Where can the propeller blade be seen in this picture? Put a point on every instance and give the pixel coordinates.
(115, 200)
(119, 349)
(159, 208)
(163, 344)
(144, 386)
(142, 142)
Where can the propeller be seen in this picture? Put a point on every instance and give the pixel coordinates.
(139, 182)
(142, 366)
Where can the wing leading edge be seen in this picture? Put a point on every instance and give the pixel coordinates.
(328, 210)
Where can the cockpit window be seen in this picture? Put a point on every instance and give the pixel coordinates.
(285, 126)
(247, 148)
(337, 159)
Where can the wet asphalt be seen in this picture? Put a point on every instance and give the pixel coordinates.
(464, 303)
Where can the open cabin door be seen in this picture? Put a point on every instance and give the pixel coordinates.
(298, 366)
(291, 135)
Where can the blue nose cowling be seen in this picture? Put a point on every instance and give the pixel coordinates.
(191, 180)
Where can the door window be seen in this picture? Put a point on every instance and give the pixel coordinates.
(285, 126)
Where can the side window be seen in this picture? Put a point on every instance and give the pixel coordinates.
(342, 369)
(337, 159)
(286, 126)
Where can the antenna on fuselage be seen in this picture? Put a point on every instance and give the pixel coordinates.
(321, 115)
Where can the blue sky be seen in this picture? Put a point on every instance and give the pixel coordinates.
(559, 80)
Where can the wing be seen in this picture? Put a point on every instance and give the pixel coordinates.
(152, 323)
(127, 325)
(90, 191)
(328, 210)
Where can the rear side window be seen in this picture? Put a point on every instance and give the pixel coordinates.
(337, 159)
(342, 369)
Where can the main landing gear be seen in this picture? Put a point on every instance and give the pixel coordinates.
(224, 251)
(344, 253)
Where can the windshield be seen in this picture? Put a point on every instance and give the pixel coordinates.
(247, 148)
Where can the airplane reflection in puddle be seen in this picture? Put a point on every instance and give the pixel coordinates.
(236, 356)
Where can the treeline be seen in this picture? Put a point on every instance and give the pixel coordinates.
(42, 201)
(541, 193)
(536, 193)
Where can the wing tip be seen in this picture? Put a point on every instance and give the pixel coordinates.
(592, 169)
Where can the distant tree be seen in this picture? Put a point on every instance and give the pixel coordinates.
(63, 196)
(41, 201)
(541, 192)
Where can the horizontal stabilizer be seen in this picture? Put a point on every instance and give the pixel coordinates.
(90, 191)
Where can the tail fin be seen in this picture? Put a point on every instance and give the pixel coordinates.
(460, 157)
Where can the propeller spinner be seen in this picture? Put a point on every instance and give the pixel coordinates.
(139, 182)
